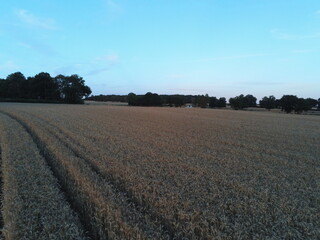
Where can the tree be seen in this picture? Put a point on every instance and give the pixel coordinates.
(177, 101)
(217, 103)
(221, 102)
(241, 101)
(43, 86)
(151, 99)
(288, 103)
(301, 105)
(268, 102)
(213, 102)
(72, 88)
(3, 88)
(305, 104)
(311, 103)
(203, 101)
(14, 85)
(238, 102)
(250, 101)
(132, 99)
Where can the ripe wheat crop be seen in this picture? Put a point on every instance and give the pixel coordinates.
(33, 206)
(162, 173)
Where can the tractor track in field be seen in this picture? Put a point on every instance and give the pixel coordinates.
(161, 173)
(1, 196)
(149, 222)
(44, 152)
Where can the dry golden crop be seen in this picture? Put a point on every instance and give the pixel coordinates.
(33, 206)
(174, 173)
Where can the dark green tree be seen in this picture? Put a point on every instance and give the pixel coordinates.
(132, 99)
(202, 101)
(72, 88)
(238, 102)
(177, 101)
(3, 88)
(221, 103)
(268, 102)
(217, 103)
(241, 101)
(213, 102)
(311, 102)
(301, 105)
(288, 103)
(14, 85)
(151, 99)
(250, 101)
(44, 87)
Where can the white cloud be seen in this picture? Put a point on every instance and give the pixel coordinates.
(34, 21)
(279, 34)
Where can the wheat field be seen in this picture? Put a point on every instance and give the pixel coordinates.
(119, 172)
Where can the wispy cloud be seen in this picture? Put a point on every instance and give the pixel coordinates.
(187, 90)
(279, 34)
(113, 8)
(103, 63)
(34, 21)
(68, 69)
(112, 4)
(110, 59)
(302, 51)
(97, 71)
(37, 46)
(176, 76)
(8, 66)
(90, 68)
(234, 57)
(257, 83)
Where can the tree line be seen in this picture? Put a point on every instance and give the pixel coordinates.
(72, 89)
(43, 88)
(290, 103)
(287, 103)
(153, 99)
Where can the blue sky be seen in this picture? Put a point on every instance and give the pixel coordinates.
(219, 47)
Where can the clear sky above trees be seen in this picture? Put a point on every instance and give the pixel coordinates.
(223, 48)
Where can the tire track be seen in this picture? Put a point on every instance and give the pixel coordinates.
(138, 206)
(44, 152)
(152, 225)
(1, 197)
